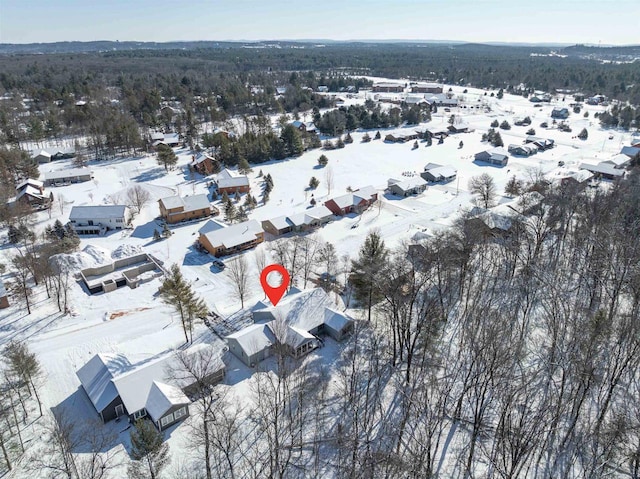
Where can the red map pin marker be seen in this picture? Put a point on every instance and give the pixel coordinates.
(274, 293)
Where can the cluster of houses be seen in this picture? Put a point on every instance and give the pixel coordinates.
(398, 87)
(48, 155)
(353, 202)
(158, 388)
(167, 139)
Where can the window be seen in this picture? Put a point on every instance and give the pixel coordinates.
(180, 413)
(138, 414)
(166, 420)
(119, 220)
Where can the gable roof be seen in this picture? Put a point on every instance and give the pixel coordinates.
(603, 168)
(59, 174)
(97, 212)
(96, 378)
(30, 191)
(233, 235)
(410, 183)
(29, 182)
(200, 157)
(445, 171)
(162, 397)
(254, 338)
(188, 203)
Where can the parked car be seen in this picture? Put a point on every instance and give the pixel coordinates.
(219, 264)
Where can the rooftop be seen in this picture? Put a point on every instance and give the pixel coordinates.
(100, 212)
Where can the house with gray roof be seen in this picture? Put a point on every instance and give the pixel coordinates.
(439, 173)
(493, 156)
(151, 388)
(97, 220)
(229, 182)
(295, 325)
(64, 177)
(355, 202)
(413, 185)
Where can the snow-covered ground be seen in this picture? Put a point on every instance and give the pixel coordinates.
(137, 323)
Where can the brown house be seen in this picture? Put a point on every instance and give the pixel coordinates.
(4, 297)
(203, 164)
(175, 208)
(426, 88)
(31, 192)
(388, 87)
(231, 184)
(355, 202)
(221, 240)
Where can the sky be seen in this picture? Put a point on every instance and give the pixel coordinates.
(516, 21)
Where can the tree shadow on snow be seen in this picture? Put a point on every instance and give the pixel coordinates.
(146, 230)
(150, 175)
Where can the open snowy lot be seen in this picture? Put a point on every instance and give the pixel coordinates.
(136, 322)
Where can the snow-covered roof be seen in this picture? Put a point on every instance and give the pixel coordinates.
(309, 216)
(366, 192)
(235, 182)
(200, 157)
(233, 235)
(60, 174)
(603, 168)
(443, 171)
(301, 309)
(30, 191)
(410, 183)
(96, 377)
(188, 203)
(211, 225)
(29, 182)
(297, 336)
(619, 160)
(162, 397)
(281, 222)
(97, 212)
(42, 153)
(224, 174)
(254, 338)
(495, 220)
(335, 319)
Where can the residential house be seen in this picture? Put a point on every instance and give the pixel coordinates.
(493, 156)
(540, 143)
(619, 161)
(522, 150)
(305, 127)
(99, 219)
(438, 173)
(72, 175)
(4, 296)
(221, 240)
(46, 155)
(562, 113)
(442, 99)
(459, 128)
(278, 226)
(388, 87)
(174, 209)
(230, 183)
(42, 157)
(311, 218)
(492, 223)
(116, 387)
(323, 88)
(426, 88)
(294, 325)
(578, 179)
(31, 192)
(168, 139)
(604, 170)
(203, 164)
(411, 186)
(355, 202)
(401, 137)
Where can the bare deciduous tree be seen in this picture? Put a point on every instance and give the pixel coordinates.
(138, 197)
(238, 272)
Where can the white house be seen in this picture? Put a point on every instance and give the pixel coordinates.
(99, 219)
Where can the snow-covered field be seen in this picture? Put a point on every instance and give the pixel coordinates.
(137, 323)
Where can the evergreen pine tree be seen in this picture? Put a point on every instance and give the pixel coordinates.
(149, 452)
(365, 271)
(156, 235)
(166, 232)
(230, 211)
